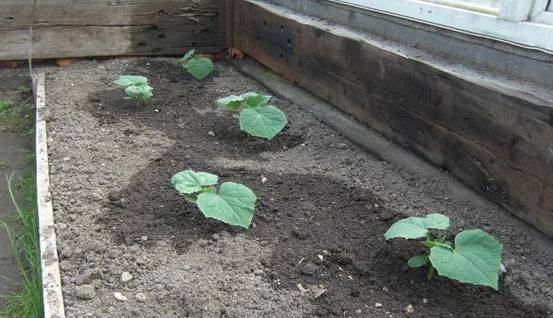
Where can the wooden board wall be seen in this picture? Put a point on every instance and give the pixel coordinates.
(69, 28)
(497, 142)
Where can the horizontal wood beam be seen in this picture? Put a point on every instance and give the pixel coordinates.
(106, 28)
(497, 141)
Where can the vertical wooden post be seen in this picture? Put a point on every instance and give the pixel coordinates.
(225, 17)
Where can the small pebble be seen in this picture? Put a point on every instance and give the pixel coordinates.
(424, 301)
(119, 296)
(126, 277)
(140, 297)
(211, 133)
(409, 310)
(378, 305)
(85, 292)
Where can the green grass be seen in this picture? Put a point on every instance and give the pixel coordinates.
(27, 301)
(17, 117)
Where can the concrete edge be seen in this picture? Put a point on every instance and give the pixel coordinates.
(52, 296)
(371, 141)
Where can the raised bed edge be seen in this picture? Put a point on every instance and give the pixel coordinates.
(52, 296)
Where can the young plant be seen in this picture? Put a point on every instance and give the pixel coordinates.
(233, 203)
(136, 87)
(198, 66)
(475, 258)
(256, 117)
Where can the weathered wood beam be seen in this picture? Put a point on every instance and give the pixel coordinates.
(105, 28)
(496, 140)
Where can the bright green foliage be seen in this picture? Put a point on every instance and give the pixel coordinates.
(418, 261)
(136, 87)
(417, 227)
(198, 66)
(233, 204)
(188, 181)
(263, 121)
(475, 258)
(256, 117)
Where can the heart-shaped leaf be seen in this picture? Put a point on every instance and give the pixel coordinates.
(199, 67)
(254, 99)
(265, 121)
(231, 102)
(418, 261)
(188, 181)
(417, 227)
(233, 204)
(475, 259)
(127, 80)
(186, 57)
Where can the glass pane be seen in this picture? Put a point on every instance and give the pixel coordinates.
(484, 3)
(469, 4)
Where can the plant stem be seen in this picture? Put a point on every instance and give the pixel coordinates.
(431, 272)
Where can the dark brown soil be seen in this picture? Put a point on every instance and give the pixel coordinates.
(317, 214)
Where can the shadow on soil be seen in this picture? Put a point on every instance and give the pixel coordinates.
(304, 216)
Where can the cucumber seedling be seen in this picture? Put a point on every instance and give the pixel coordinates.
(256, 117)
(198, 66)
(136, 87)
(232, 203)
(474, 258)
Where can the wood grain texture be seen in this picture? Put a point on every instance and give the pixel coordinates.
(496, 141)
(107, 27)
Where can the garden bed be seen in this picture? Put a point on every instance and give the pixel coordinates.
(316, 247)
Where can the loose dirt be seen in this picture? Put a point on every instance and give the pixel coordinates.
(316, 248)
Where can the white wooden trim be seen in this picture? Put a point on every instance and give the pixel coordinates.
(49, 264)
(474, 22)
(544, 17)
(515, 10)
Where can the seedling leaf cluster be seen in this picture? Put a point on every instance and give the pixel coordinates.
(198, 66)
(232, 203)
(136, 87)
(474, 258)
(255, 116)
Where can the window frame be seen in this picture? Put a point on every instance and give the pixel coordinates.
(522, 23)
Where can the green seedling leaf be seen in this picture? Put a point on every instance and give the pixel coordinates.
(417, 227)
(233, 204)
(254, 99)
(199, 67)
(418, 261)
(142, 92)
(264, 121)
(136, 87)
(128, 80)
(186, 57)
(476, 259)
(188, 181)
(231, 102)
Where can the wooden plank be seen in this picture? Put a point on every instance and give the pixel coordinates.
(107, 28)
(52, 296)
(226, 8)
(495, 140)
(17, 13)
